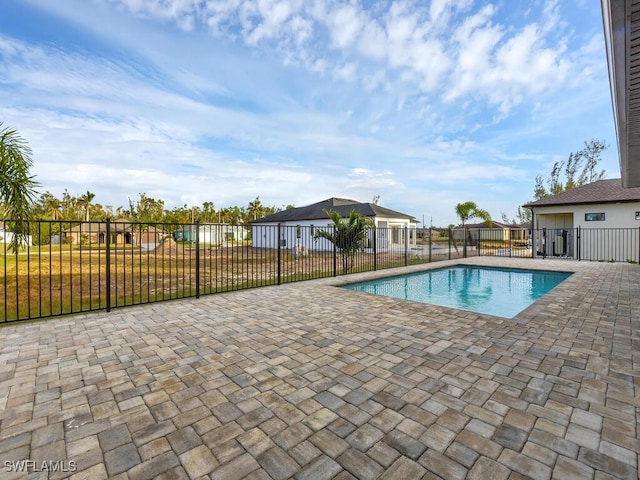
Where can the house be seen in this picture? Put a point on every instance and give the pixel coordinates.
(588, 210)
(298, 226)
(121, 231)
(496, 231)
(7, 236)
(211, 233)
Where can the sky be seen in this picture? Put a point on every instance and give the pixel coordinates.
(423, 104)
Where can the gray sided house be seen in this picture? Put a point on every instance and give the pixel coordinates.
(606, 215)
(298, 226)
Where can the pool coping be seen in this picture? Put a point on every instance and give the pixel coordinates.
(524, 316)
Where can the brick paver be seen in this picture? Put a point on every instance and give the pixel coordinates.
(310, 381)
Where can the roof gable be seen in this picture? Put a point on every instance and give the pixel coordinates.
(343, 206)
(601, 191)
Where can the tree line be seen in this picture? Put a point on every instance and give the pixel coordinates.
(145, 209)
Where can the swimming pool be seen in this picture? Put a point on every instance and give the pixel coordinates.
(504, 292)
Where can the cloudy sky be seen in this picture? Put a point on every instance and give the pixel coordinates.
(423, 103)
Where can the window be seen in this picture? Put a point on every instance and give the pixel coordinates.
(594, 217)
(637, 215)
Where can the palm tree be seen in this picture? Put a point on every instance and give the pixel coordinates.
(85, 200)
(51, 206)
(255, 209)
(349, 235)
(467, 211)
(17, 186)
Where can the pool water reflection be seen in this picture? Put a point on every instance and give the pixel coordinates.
(496, 291)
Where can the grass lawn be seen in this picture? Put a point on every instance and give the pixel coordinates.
(61, 279)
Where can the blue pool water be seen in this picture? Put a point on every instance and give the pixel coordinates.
(495, 291)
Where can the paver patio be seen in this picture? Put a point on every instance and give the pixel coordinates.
(309, 381)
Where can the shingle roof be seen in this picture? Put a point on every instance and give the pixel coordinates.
(495, 224)
(601, 191)
(341, 205)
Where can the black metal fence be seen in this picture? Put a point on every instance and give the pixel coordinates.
(66, 267)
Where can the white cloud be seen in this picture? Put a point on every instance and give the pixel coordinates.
(300, 100)
(426, 46)
(345, 25)
(505, 67)
(345, 72)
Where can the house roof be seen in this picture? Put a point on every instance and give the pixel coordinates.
(342, 205)
(601, 191)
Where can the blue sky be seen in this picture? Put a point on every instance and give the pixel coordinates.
(423, 103)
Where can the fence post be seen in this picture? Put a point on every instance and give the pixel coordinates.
(510, 244)
(406, 245)
(430, 242)
(544, 243)
(464, 243)
(197, 258)
(450, 233)
(279, 255)
(375, 248)
(108, 263)
(335, 253)
(578, 242)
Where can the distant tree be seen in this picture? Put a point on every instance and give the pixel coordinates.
(255, 209)
(146, 209)
(466, 211)
(84, 202)
(67, 204)
(208, 212)
(49, 206)
(17, 185)
(564, 174)
(523, 215)
(349, 235)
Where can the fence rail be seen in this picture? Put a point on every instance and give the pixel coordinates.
(67, 267)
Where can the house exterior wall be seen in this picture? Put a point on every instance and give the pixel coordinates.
(6, 236)
(302, 234)
(266, 235)
(616, 243)
(617, 215)
(75, 237)
(211, 233)
(120, 233)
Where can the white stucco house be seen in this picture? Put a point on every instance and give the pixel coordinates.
(7, 236)
(211, 233)
(597, 221)
(298, 226)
